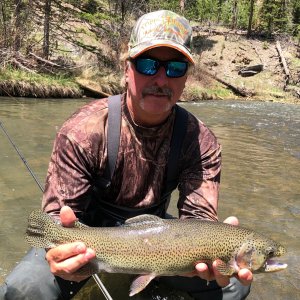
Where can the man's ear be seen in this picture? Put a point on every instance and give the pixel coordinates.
(126, 70)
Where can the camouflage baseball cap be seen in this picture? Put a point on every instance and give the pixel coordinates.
(158, 29)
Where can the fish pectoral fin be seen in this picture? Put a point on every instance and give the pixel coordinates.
(225, 268)
(143, 219)
(92, 267)
(244, 257)
(140, 283)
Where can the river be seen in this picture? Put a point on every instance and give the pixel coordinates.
(260, 178)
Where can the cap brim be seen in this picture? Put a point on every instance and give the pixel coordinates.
(143, 47)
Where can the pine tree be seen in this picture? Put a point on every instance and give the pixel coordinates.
(274, 16)
(251, 12)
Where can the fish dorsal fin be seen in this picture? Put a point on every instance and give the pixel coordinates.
(142, 220)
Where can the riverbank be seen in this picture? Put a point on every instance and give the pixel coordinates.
(228, 66)
(18, 83)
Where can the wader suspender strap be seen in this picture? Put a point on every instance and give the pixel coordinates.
(113, 136)
(179, 131)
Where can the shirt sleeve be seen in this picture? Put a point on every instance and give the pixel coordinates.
(200, 179)
(68, 178)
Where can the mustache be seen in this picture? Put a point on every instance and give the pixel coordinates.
(159, 91)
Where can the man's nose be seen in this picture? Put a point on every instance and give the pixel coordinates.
(160, 77)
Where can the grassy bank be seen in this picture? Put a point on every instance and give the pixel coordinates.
(18, 83)
(199, 87)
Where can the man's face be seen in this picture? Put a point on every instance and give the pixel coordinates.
(151, 98)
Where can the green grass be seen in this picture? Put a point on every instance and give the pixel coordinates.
(47, 80)
(195, 92)
(19, 83)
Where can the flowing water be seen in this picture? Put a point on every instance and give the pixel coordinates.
(260, 179)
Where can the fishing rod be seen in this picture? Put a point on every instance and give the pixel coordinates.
(22, 157)
(95, 276)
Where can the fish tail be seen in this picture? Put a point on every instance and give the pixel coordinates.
(40, 225)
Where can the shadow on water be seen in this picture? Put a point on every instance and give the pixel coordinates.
(260, 182)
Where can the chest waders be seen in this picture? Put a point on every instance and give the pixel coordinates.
(104, 213)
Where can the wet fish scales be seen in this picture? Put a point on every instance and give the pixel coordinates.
(156, 247)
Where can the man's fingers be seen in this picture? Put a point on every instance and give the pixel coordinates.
(72, 264)
(65, 251)
(204, 272)
(66, 259)
(245, 276)
(67, 216)
(211, 273)
(222, 280)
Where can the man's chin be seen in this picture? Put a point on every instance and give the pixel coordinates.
(156, 108)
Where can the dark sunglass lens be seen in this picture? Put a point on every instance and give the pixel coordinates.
(176, 68)
(147, 66)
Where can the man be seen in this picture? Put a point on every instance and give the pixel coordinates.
(76, 187)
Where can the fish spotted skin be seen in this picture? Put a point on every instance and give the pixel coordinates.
(152, 246)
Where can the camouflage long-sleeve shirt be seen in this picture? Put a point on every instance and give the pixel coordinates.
(80, 154)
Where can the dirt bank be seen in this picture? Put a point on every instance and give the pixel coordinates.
(221, 57)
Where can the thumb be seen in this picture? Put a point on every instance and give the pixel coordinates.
(67, 216)
(232, 221)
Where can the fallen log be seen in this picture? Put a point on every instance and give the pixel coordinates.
(236, 90)
(284, 65)
(250, 70)
(19, 65)
(45, 61)
(90, 88)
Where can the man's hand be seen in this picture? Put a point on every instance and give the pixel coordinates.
(210, 273)
(65, 259)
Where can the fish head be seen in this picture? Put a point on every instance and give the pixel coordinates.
(257, 253)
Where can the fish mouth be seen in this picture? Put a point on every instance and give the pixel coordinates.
(273, 266)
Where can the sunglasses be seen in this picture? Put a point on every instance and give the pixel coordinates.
(150, 66)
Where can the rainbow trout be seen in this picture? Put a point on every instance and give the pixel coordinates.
(151, 246)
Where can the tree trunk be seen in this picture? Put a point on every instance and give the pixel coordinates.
(182, 5)
(20, 8)
(234, 14)
(4, 19)
(250, 18)
(220, 4)
(284, 65)
(46, 42)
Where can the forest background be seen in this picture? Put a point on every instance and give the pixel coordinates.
(247, 49)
